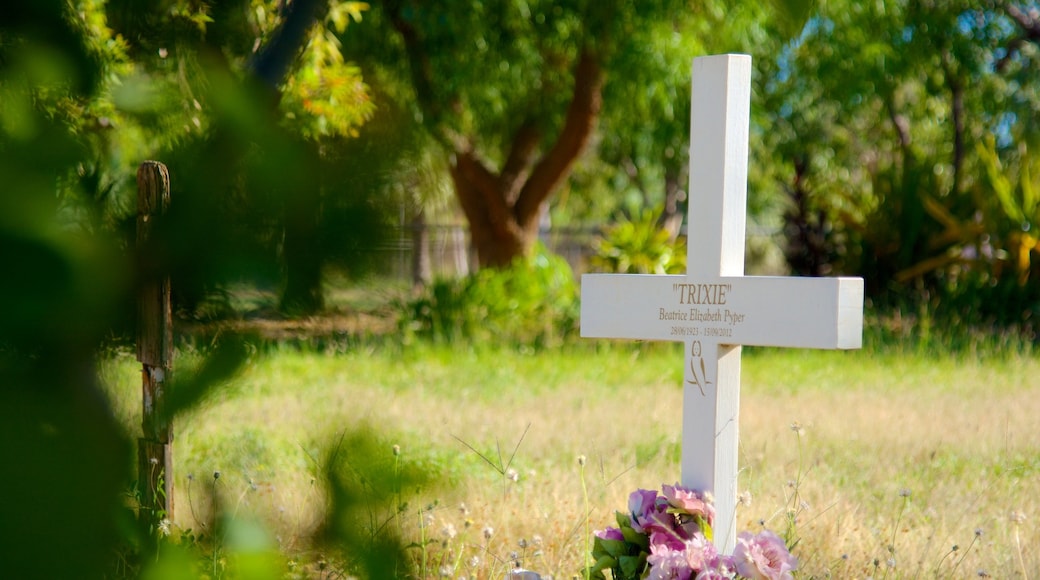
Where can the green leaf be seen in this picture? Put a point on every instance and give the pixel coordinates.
(603, 563)
(613, 548)
(633, 566)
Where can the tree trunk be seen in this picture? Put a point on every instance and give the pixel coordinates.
(503, 208)
(674, 210)
(302, 253)
(421, 271)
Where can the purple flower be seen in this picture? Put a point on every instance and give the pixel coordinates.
(610, 534)
(763, 557)
(642, 503)
(667, 563)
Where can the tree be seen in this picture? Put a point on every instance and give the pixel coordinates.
(313, 96)
(512, 93)
(899, 137)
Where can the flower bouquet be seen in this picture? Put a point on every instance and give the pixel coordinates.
(669, 536)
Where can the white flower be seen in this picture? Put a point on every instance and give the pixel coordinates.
(164, 527)
(448, 531)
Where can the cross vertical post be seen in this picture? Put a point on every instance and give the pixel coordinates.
(714, 309)
(719, 125)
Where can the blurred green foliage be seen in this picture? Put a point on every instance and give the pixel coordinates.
(895, 141)
(88, 90)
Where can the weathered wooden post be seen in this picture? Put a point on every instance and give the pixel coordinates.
(155, 352)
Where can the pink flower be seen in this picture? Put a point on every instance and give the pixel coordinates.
(721, 568)
(665, 537)
(713, 574)
(700, 553)
(689, 501)
(667, 563)
(763, 557)
(610, 534)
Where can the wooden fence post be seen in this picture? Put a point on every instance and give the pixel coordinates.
(155, 352)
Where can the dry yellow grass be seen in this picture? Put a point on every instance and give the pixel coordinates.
(898, 458)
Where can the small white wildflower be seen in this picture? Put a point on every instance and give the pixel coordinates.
(164, 527)
(581, 460)
(474, 561)
(904, 492)
(446, 571)
(512, 475)
(522, 543)
(448, 531)
(463, 509)
(891, 563)
(488, 532)
(804, 505)
(1017, 517)
(797, 428)
(536, 540)
(744, 499)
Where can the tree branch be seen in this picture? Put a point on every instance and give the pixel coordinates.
(484, 183)
(1029, 22)
(515, 169)
(957, 113)
(421, 71)
(581, 119)
(272, 62)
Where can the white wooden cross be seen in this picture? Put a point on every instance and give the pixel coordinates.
(714, 308)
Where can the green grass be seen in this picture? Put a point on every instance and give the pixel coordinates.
(901, 457)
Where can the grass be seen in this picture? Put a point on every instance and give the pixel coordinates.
(902, 465)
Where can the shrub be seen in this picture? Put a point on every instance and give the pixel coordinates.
(533, 302)
(639, 246)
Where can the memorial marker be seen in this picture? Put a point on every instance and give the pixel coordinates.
(714, 308)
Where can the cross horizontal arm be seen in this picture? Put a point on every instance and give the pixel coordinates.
(754, 311)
